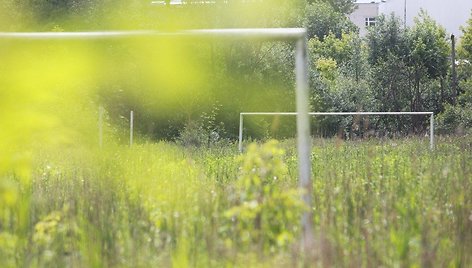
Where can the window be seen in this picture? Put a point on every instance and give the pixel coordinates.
(370, 22)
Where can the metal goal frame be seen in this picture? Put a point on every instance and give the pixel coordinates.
(294, 35)
(431, 120)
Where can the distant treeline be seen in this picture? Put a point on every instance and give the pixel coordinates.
(200, 87)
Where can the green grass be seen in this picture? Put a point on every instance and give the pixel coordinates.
(376, 204)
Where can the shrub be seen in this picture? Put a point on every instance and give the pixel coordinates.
(205, 131)
(266, 212)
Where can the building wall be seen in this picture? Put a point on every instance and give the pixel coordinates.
(451, 14)
(363, 11)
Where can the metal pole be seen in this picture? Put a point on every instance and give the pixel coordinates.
(304, 143)
(131, 126)
(431, 130)
(263, 34)
(453, 69)
(100, 126)
(240, 147)
(404, 15)
(339, 113)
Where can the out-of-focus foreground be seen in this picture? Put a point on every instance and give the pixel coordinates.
(382, 204)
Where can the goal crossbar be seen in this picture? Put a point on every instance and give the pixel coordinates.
(241, 120)
(269, 34)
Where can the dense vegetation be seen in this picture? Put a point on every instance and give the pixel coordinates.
(392, 69)
(182, 195)
(391, 203)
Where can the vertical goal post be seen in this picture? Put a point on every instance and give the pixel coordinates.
(297, 36)
(131, 127)
(431, 120)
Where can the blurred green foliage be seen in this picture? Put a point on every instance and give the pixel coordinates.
(267, 209)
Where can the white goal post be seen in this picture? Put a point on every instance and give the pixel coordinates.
(295, 35)
(431, 120)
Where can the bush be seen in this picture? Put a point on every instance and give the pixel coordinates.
(205, 131)
(266, 211)
(455, 120)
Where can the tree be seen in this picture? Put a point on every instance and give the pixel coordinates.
(340, 82)
(341, 49)
(458, 118)
(341, 6)
(387, 46)
(321, 19)
(427, 59)
(406, 63)
(464, 62)
(465, 47)
(386, 38)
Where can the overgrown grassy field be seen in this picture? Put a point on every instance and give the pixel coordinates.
(388, 203)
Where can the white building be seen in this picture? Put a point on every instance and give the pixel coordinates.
(451, 14)
(365, 14)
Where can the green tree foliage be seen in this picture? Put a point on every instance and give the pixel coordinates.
(423, 47)
(341, 6)
(465, 48)
(342, 49)
(428, 46)
(321, 19)
(458, 118)
(464, 66)
(385, 39)
(428, 60)
(395, 68)
(341, 85)
(409, 67)
(387, 52)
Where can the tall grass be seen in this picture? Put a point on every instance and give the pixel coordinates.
(391, 203)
